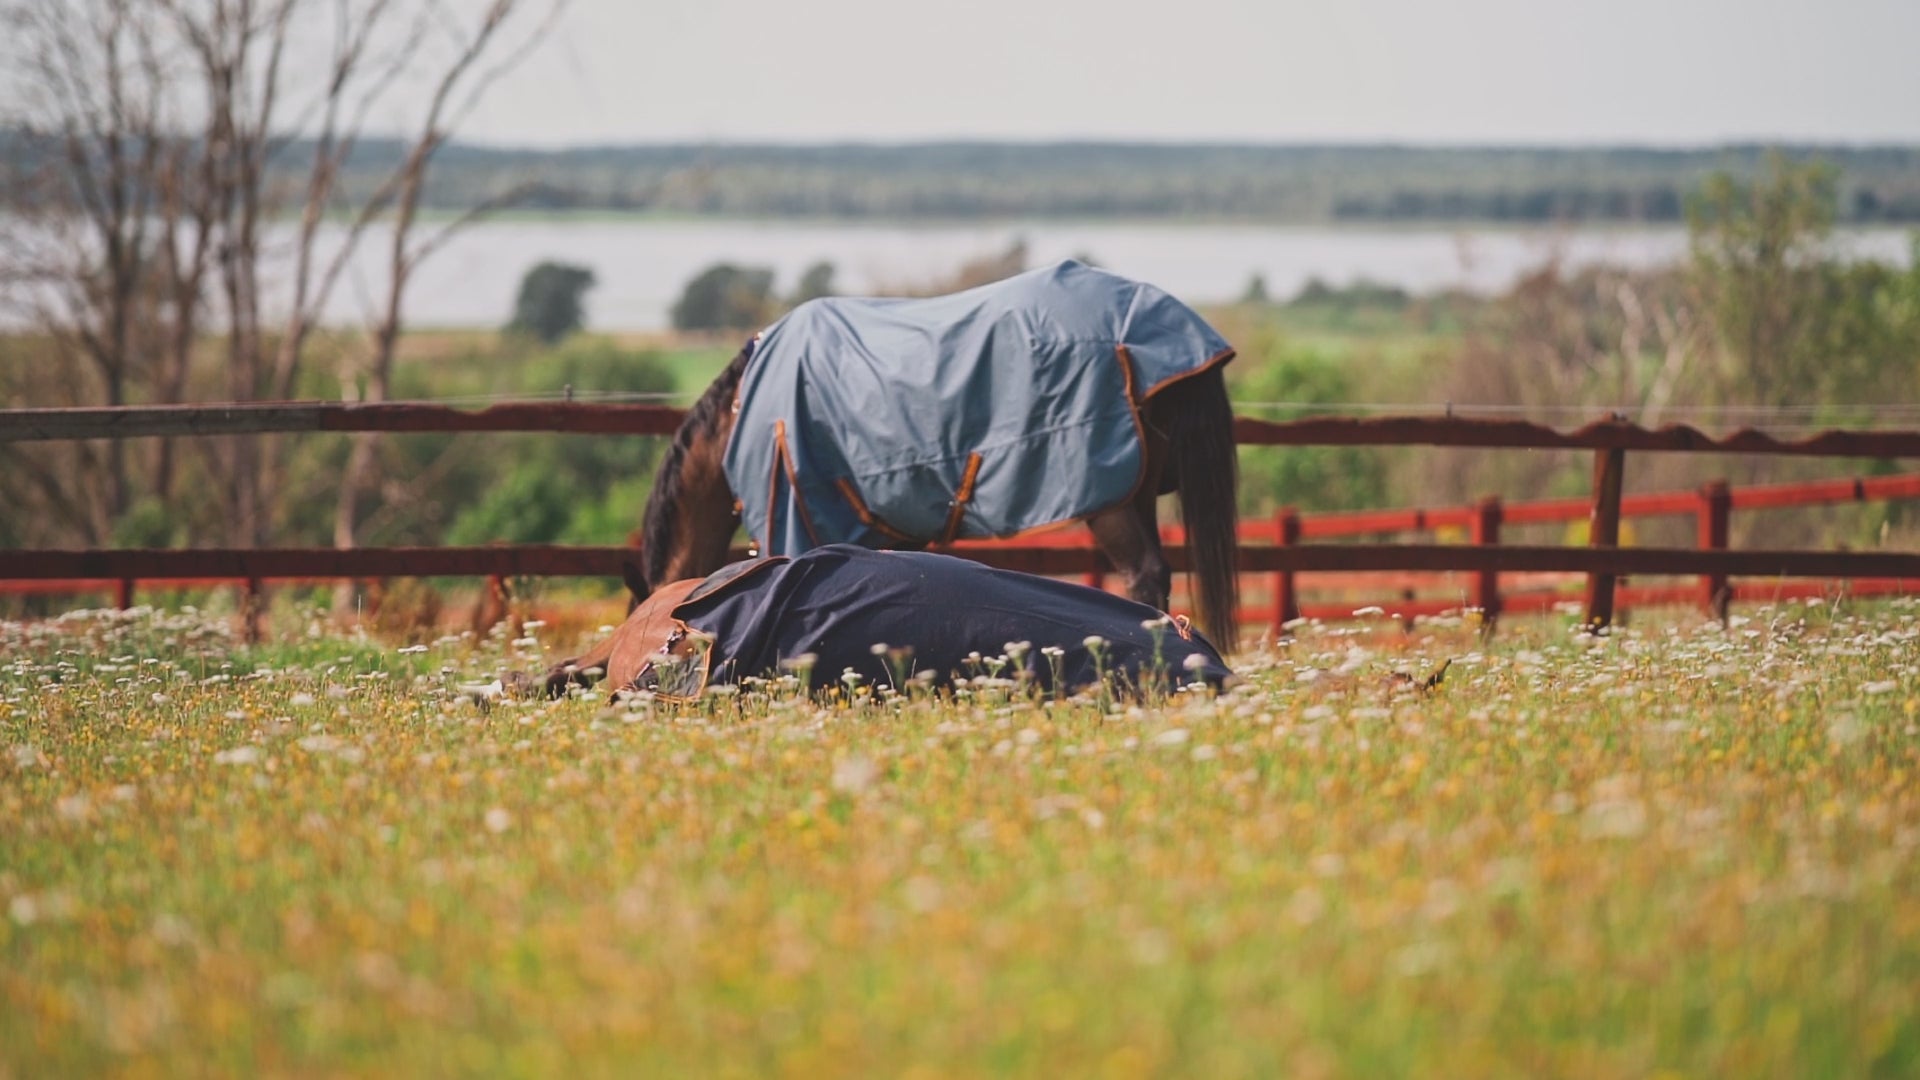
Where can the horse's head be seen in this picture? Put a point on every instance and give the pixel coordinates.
(645, 634)
(638, 641)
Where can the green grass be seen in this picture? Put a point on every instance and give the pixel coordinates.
(1676, 850)
(694, 367)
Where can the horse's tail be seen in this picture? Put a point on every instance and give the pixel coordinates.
(1198, 422)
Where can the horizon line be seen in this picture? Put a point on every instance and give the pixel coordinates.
(1175, 143)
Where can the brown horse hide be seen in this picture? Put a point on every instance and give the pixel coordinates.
(638, 641)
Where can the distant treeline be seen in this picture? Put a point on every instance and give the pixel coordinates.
(1291, 183)
(1268, 183)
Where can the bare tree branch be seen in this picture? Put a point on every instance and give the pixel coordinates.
(52, 488)
(402, 259)
(486, 207)
(161, 137)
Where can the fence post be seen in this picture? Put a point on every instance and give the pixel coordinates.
(252, 606)
(1485, 532)
(1096, 578)
(493, 605)
(123, 594)
(1603, 530)
(1716, 506)
(1286, 597)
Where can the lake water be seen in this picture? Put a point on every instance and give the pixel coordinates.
(642, 265)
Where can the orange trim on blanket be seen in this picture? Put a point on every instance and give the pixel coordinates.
(1213, 361)
(1032, 530)
(747, 569)
(1134, 405)
(960, 499)
(784, 461)
(866, 515)
(773, 491)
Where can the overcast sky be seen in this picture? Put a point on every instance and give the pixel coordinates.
(1430, 71)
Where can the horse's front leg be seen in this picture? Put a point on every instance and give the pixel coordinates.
(1131, 543)
(582, 670)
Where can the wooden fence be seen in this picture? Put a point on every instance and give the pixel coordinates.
(1279, 549)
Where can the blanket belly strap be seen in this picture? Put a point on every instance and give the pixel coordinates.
(783, 466)
(961, 498)
(866, 515)
(1134, 400)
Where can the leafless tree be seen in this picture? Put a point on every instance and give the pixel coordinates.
(158, 140)
(454, 94)
(1560, 347)
(81, 242)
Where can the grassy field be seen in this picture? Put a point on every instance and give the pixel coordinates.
(1677, 850)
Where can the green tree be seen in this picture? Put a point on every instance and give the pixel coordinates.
(1793, 323)
(984, 270)
(1288, 383)
(1759, 252)
(726, 297)
(991, 268)
(817, 282)
(528, 505)
(563, 489)
(1861, 341)
(1255, 293)
(551, 304)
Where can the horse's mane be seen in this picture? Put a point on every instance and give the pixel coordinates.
(663, 506)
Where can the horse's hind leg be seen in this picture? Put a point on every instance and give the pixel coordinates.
(1131, 543)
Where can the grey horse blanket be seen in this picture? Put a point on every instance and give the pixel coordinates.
(986, 413)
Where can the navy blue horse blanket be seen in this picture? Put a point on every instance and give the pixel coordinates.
(941, 614)
(986, 413)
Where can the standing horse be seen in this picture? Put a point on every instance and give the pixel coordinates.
(1066, 393)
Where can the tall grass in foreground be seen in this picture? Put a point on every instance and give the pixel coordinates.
(1675, 849)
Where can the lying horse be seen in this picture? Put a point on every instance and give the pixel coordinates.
(888, 616)
(1062, 394)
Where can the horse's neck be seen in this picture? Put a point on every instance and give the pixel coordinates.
(706, 519)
